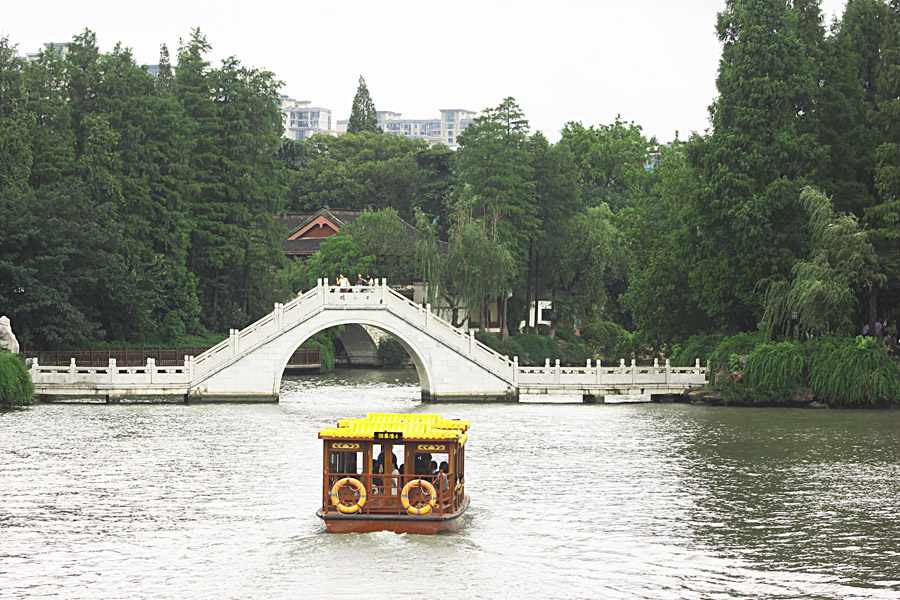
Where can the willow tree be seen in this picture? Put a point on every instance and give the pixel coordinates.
(473, 268)
(824, 287)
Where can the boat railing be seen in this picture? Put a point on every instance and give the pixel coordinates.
(383, 493)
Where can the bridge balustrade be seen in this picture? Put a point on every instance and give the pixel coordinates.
(130, 357)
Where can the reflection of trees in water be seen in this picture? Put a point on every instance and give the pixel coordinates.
(796, 489)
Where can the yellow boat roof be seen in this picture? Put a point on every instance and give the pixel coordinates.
(411, 426)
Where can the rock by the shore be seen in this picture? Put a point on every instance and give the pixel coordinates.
(804, 395)
(816, 405)
(704, 397)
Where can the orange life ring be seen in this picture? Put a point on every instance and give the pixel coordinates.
(418, 510)
(357, 485)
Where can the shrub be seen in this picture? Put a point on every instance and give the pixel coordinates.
(605, 334)
(537, 348)
(774, 371)
(488, 339)
(854, 371)
(391, 352)
(577, 353)
(566, 333)
(16, 388)
(731, 346)
(630, 345)
(701, 346)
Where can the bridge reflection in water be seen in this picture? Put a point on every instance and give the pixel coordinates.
(451, 364)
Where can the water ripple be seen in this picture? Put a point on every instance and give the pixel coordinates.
(568, 501)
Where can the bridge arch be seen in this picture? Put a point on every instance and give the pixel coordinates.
(307, 329)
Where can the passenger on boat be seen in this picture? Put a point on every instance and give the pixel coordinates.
(395, 471)
(378, 468)
(445, 468)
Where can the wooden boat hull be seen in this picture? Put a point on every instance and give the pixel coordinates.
(425, 524)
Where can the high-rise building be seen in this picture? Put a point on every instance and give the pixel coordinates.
(453, 122)
(301, 120)
(442, 130)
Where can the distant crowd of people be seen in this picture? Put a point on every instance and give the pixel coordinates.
(343, 282)
(884, 335)
(423, 466)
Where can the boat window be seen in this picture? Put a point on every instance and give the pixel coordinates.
(378, 458)
(343, 462)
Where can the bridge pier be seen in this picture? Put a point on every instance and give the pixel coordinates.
(510, 397)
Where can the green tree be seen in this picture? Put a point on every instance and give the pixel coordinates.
(15, 122)
(52, 136)
(611, 161)
(495, 159)
(581, 260)
(824, 287)
(357, 171)
(469, 271)
(558, 199)
(16, 388)
(391, 241)
(748, 221)
(437, 180)
(363, 116)
(883, 218)
(847, 103)
(164, 76)
(660, 236)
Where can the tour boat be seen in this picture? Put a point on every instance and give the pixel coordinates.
(423, 490)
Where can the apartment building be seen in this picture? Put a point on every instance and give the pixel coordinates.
(301, 120)
(453, 122)
(442, 130)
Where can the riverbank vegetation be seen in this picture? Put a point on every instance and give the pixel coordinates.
(16, 388)
(138, 208)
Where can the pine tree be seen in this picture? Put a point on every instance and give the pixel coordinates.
(52, 136)
(884, 216)
(363, 116)
(15, 151)
(164, 76)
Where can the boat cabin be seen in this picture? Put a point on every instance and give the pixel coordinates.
(394, 472)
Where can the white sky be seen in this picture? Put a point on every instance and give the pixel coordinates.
(652, 61)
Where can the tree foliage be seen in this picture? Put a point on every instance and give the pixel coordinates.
(611, 161)
(363, 116)
(824, 287)
(133, 208)
(755, 162)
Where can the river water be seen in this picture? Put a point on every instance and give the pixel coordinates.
(172, 501)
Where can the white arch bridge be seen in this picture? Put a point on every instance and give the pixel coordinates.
(452, 365)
